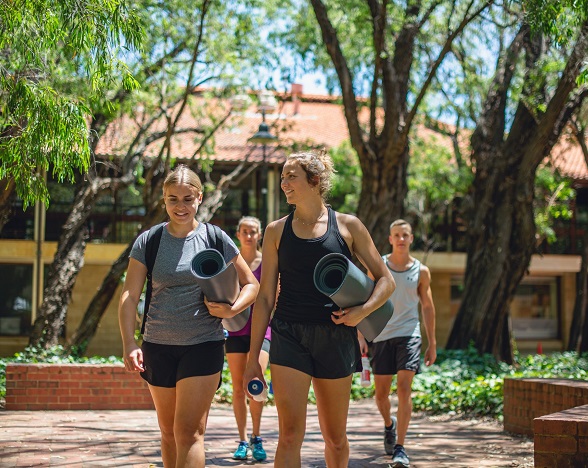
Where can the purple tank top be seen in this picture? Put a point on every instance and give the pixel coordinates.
(246, 330)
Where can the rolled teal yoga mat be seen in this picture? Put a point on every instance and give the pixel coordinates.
(335, 276)
(219, 283)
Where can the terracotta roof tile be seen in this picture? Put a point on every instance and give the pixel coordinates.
(318, 122)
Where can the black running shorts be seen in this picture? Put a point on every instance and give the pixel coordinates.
(402, 353)
(165, 365)
(324, 351)
(241, 344)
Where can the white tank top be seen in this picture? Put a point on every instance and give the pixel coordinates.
(405, 298)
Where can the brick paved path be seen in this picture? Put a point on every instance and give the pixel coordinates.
(131, 439)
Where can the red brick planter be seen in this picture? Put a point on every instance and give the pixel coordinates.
(527, 399)
(561, 439)
(555, 413)
(74, 387)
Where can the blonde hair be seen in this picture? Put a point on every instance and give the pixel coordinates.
(401, 222)
(183, 175)
(251, 220)
(319, 168)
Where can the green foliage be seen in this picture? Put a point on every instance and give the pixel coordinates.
(553, 198)
(43, 123)
(46, 129)
(346, 188)
(434, 180)
(465, 382)
(557, 18)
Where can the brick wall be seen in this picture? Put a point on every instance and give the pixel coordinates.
(561, 439)
(527, 399)
(74, 387)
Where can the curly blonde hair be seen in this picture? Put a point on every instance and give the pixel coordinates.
(319, 169)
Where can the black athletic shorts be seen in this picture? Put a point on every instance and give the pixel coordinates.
(324, 351)
(402, 353)
(165, 365)
(241, 344)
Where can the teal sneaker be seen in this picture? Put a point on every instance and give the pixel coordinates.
(257, 448)
(242, 451)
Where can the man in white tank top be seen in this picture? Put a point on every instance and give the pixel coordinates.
(396, 351)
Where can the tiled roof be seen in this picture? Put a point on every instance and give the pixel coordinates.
(313, 120)
(567, 156)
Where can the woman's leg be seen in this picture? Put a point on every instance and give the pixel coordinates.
(165, 407)
(237, 363)
(193, 398)
(291, 397)
(256, 407)
(332, 402)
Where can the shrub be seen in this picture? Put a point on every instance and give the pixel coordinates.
(460, 382)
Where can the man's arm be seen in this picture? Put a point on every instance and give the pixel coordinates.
(428, 311)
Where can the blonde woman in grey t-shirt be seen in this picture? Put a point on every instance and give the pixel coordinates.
(181, 356)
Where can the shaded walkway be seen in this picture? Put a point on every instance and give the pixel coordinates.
(131, 439)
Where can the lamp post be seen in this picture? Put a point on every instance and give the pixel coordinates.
(263, 137)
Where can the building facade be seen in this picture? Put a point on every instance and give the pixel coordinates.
(541, 310)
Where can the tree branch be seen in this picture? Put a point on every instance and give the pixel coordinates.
(334, 50)
(378, 13)
(490, 127)
(446, 48)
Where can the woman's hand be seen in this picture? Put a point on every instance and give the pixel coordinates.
(349, 316)
(220, 309)
(252, 371)
(133, 359)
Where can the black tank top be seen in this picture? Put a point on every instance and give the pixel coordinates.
(299, 300)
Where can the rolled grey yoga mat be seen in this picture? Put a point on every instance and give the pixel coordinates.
(348, 286)
(219, 283)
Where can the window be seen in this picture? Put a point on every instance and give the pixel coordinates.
(15, 299)
(534, 308)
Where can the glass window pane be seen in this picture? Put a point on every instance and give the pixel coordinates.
(534, 308)
(15, 299)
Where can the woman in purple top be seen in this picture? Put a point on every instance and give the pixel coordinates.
(237, 349)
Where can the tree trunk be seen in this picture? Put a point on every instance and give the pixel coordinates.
(50, 321)
(65, 267)
(383, 191)
(79, 341)
(501, 234)
(383, 147)
(580, 307)
(501, 239)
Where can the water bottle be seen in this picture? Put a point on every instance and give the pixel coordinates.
(257, 390)
(365, 373)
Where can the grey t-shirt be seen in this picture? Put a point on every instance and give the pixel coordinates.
(177, 314)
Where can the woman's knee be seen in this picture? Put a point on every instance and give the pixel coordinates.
(336, 442)
(187, 436)
(167, 435)
(291, 437)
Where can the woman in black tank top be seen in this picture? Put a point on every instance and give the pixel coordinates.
(312, 339)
